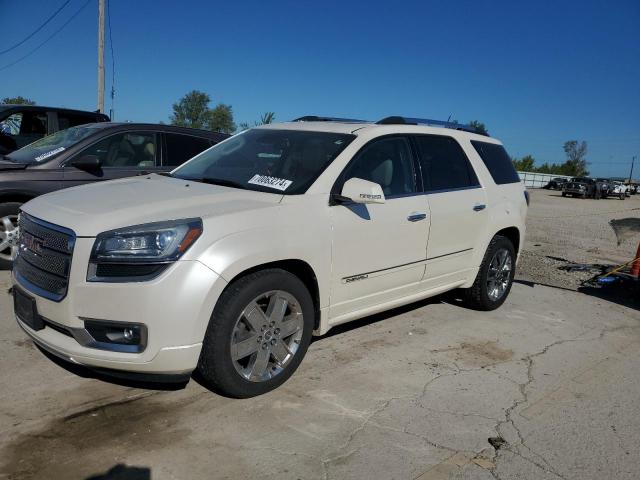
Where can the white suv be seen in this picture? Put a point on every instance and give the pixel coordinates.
(231, 262)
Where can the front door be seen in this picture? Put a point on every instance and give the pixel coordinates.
(121, 155)
(379, 250)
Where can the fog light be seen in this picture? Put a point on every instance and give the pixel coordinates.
(116, 336)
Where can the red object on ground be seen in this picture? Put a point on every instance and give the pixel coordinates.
(635, 266)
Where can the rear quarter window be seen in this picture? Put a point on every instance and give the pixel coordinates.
(498, 162)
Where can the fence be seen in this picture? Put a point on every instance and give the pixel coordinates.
(537, 180)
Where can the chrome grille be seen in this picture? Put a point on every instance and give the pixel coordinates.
(43, 263)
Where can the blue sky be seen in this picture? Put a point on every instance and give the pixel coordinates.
(537, 73)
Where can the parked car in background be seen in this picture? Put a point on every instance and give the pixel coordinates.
(582, 187)
(231, 263)
(22, 124)
(633, 188)
(85, 154)
(556, 183)
(619, 190)
(605, 186)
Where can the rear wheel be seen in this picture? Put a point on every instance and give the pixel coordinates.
(564, 194)
(495, 276)
(258, 334)
(621, 196)
(9, 233)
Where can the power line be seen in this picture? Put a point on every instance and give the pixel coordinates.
(36, 30)
(48, 38)
(113, 61)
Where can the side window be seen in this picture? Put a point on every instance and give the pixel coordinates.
(498, 162)
(181, 148)
(444, 164)
(67, 120)
(130, 149)
(387, 162)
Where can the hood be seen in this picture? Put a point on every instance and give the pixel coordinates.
(91, 209)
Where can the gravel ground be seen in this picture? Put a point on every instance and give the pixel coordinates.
(565, 230)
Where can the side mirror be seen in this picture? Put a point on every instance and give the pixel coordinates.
(87, 162)
(357, 190)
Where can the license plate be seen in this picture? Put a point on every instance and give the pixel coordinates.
(26, 310)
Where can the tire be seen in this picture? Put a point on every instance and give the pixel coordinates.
(564, 194)
(621, 196)
(478, 296)
(229, 327)
(8, 213)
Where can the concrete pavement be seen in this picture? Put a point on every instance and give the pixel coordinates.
(552, 378)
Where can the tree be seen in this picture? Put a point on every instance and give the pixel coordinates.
(266, 118)
(220, 119)
(525, 164)
(576, 164)
(17, 101)
(479, 126)
(192, 110)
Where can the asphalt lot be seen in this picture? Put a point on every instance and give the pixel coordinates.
(551, 378)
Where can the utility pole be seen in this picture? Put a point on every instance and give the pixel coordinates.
(101, 56)
(633, 160)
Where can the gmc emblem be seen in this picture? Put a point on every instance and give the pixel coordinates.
(34, 244)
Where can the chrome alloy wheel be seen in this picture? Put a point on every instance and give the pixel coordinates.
(9, 237)
(499, 274)
(266, 335)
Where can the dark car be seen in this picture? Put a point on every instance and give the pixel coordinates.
(89, 153)
(22, 124)
(606, 187)
(582, 187)
(556, 183)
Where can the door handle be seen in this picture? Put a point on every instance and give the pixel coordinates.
(478, 207)
(416, 216)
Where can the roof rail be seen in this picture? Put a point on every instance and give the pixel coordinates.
(398, 120)
(316, 118)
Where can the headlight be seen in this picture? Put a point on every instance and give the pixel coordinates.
(141, 252)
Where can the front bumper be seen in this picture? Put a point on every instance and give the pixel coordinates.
(175, 308)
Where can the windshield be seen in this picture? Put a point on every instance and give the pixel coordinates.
(276, 161)
(50, 146)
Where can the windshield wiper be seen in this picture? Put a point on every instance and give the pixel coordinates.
(220, 181)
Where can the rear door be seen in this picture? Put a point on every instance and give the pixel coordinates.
(181, 147)
(124, 154)
(458, 207)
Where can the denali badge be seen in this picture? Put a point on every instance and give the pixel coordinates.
(356, 278)
(370, 197)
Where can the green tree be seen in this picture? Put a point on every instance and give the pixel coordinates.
(192, 110)
(266, 118)
(525, 164)
(576, 164)
(17, 101)
(220, 119)
(479, 126)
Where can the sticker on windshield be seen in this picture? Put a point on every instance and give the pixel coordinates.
(271, 182)
(49, 153)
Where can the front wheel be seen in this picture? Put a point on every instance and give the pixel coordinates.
(622, 196)
(9, 233)
(495, 276)
(258, 334)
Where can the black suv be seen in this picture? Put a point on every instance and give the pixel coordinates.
(22, 124)
(89, 153)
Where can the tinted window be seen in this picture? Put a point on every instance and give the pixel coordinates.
(444, 164)
(386, 162)
(181, 148)
(498, 162)
(66, 120)
(267, 160)
(131, 149)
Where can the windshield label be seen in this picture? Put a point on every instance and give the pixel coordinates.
(271, 182)
(49, 153)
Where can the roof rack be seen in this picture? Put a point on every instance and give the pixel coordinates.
(398, 120)
(316, 118)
